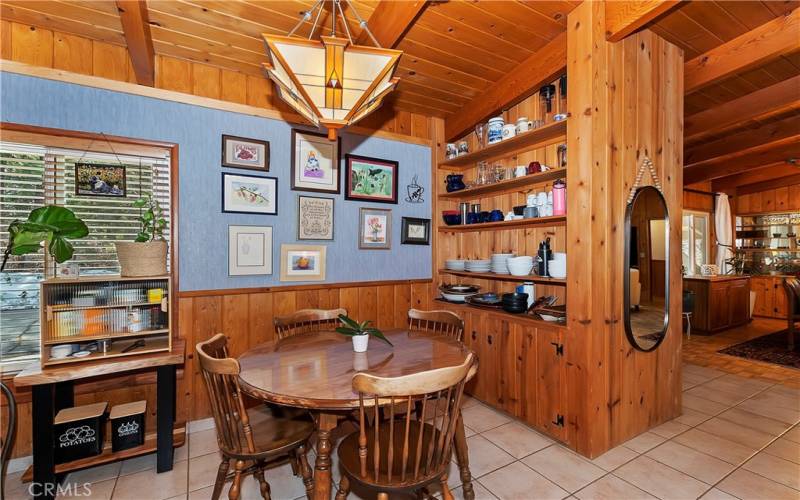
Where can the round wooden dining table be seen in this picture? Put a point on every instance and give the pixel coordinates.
(315, 371)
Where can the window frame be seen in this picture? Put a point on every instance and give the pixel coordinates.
(707, 243)
(75, 139)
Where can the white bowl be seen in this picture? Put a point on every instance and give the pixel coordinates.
(456, 297)
(520, 270)
(557, 269)
(559, 256)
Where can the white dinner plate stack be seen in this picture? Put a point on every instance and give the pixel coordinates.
(477, 266)
(520, 266)
(499, 263)
(454, 264)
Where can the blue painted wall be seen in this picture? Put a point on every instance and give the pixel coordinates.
(203, 228)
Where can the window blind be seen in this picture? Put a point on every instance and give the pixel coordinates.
(31, 176)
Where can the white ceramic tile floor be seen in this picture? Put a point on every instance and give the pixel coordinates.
(737, 438)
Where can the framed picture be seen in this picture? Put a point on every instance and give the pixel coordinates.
(240, 152)
(314, 218)
(249, 250)
(100, 180)
(315, 162)
(415, 231)
(375, 229)
(370, 179)
(249, 194)
(303, 262)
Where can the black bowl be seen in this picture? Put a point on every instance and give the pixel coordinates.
(515, 309)
(516, 296)
(519, 210)
(452, 219)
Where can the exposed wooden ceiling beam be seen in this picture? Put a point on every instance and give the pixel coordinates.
(732, 164)
(136, 25)
(769, 184)
(540, 68)
(762, 103)
(390, 20)
(768, 173)
(626, 17)
(743, 141)
(763, 44)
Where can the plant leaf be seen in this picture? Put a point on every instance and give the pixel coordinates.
(377, 333)
(346, 331)
(349, 322)
(61, 249)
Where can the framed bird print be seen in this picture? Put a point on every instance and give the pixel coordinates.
(370, 179)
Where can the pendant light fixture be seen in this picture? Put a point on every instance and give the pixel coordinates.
(331, 82)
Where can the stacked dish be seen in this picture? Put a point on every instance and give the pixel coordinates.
(454, 264)
(520, 266)
(458, 293)
(499, 264)
(477, 266)
(557, 268)
(515, 302)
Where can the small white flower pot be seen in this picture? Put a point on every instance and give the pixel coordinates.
(360, 343)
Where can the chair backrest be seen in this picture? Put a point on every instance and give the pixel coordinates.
(436, 322)
(307, 321)
(10, 434)
(410, 446)
(221, 375)
(792, 288)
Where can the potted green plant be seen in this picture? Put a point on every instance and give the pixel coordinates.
(147, 254)
(359, 332)
(50, 226)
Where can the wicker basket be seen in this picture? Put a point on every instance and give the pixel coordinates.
(142, 259)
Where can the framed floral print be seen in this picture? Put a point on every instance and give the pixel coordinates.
(375, 229)
(314, 218)
(415, 231)
(303, 262)
(249, 194)
(370, 179)
(315, 162)
(249, 250)
(240, 152)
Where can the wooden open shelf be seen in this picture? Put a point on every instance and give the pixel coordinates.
(522, 317)
(507, 185)
(75, 339)
(67, 307)
(151, 345)
(555, 220)
(533, 139)
(507, 277)
(108, 456)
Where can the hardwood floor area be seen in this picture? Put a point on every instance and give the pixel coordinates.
(702, 350)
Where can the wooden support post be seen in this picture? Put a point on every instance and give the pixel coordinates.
(626, 102)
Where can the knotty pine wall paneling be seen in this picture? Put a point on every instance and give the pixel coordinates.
(625, 101)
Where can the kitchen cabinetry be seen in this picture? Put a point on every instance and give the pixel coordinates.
(770, 296)
(720, 302)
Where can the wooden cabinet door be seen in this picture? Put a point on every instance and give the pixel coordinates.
(764, 296)
(528, 376)
(550, 375)
(780, 306)
(739, 300)
(498, 376)
(719, 305)
(472, 333)
(510, 363)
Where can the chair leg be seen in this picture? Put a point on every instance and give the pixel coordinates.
(262, 480)
(689, 326)
(222, 473)
(790, 332)
(344, 488)
(305, 470)
(383, 496)
(236, 488)
(446, 494)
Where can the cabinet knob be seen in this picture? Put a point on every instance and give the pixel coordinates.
(474, 335)
(490, 339)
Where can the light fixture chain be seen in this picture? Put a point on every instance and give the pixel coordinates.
(316, 19)
(338, 3)
(305, 16)
(363, 23)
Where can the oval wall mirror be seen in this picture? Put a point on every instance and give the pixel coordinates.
(646, 280)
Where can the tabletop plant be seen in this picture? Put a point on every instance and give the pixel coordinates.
(360, 332)
(51, 226)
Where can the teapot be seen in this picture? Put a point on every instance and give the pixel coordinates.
(455, 182)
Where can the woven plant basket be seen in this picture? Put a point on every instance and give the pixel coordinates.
(142, 259)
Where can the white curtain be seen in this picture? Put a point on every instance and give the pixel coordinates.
(722, 223)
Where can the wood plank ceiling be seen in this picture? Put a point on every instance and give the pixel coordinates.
(453, 51)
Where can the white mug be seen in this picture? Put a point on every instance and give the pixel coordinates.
(532, 200)
(520, 171)
(523, 125)
(509, 131)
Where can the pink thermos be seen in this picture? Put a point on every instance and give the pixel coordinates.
(559, 197)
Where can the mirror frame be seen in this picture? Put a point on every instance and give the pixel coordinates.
(627, 270)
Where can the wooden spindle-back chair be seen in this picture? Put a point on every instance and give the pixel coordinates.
(436, 323)
(410, 450)
(248, 436)
(307, 321)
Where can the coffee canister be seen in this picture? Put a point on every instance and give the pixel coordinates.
(495, 132)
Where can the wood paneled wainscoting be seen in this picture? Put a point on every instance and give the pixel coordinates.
(245, 317)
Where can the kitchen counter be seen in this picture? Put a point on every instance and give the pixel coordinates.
(719, 277)
(720, 302)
